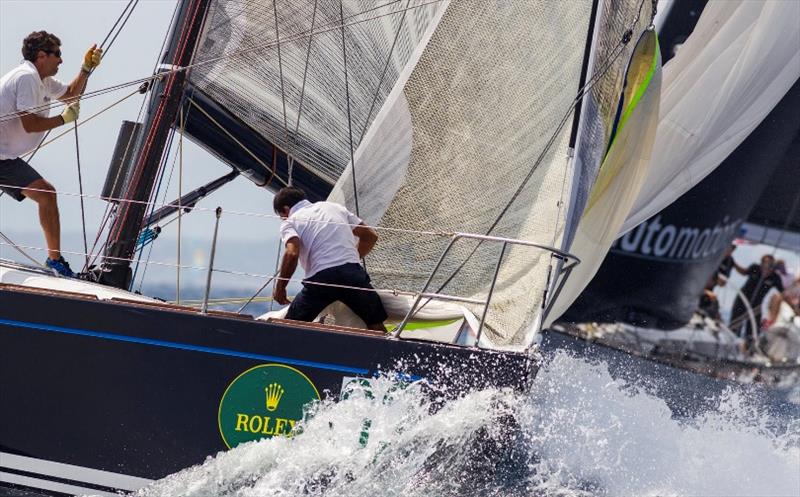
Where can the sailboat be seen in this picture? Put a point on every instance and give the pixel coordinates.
(641, 308)
(471, 134)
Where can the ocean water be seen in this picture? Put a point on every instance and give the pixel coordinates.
(578, 433)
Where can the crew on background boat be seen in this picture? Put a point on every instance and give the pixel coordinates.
(26, 91)
(322, 236)
(709, 303)
(727, 265)
(761, 278)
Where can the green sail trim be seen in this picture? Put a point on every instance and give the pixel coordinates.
(420, 325)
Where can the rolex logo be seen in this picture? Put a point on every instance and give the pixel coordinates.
(274, 393)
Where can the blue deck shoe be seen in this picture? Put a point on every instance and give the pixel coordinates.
(60, 266)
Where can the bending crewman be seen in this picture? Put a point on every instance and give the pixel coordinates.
(322, 236)
(25, 94)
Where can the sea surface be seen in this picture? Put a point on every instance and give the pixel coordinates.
(580, 432)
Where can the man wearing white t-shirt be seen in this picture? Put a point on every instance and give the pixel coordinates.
(26, 93)
(329, 241)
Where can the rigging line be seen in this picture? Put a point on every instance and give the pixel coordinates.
(39, 145)
(242, 145)
(290, 161)
(269, 280)
(110, 208)
(80, 190)
(242, 213)
(180, 207)
(243, 273)
(581, 93)
(154, 196)
(147, 145)
(294, 37)
(108, 48)
(383, 74)
(83, 121)
(349, 118)
(117, 22)
(280, 75)
(19, 249)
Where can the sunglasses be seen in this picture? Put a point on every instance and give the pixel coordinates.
(57, 53)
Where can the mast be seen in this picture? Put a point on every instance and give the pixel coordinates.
(162, 109)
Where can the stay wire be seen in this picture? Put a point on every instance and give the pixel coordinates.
(110, 207)
(349, 118)
(80, 190)
(290, 158)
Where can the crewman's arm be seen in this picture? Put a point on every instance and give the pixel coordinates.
(366, 239)
(288, 266)
(78, 85)
(34, 123)
(739, 269)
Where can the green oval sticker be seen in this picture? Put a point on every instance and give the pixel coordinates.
(263, 402)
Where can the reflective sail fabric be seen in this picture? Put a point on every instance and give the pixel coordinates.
(464, 135)
(623, 171)
(297, 98)
(740, 60)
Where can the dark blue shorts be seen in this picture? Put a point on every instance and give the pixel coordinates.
(312, 299)
(17, 174)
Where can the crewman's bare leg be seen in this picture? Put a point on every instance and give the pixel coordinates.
(48, 214)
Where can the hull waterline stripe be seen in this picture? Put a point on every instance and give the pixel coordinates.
(183, 346)
(80, 474)
(51, 486)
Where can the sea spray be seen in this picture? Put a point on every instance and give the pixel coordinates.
(578, 433)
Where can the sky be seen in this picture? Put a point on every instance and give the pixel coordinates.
(133, 55)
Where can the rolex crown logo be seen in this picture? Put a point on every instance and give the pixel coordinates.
(274, 393)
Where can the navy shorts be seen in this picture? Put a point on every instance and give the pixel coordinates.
(312, 299)
(18, 174)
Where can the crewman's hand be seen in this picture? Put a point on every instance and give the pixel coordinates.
(279, 295)
(92, 58)
(71, 112)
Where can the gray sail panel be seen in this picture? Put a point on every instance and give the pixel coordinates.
(245, 75)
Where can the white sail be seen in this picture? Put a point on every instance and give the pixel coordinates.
(738, 63)
(460, 138)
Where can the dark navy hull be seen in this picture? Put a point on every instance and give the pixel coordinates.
(136, 389)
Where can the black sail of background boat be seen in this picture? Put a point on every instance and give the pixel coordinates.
(471, 177)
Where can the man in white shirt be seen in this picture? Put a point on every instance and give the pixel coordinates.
(329, 241)
(26, 93)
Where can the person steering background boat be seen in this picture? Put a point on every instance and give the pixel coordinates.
(27, 90)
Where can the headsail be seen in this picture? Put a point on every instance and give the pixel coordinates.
(481, 119)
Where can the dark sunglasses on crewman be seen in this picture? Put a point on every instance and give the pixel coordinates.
(57, 53)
